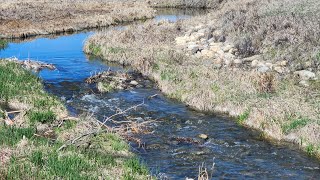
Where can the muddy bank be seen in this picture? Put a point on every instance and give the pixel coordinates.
(193, 62)
(22, 19)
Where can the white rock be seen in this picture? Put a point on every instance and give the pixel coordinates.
(306, 75)
(279, 69)
(237, 61)
(227, 48)
(254, 63)
(263, 69)
(252, 58)
(134, 83)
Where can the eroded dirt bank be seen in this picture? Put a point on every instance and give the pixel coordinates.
(19, 18)
(245, 59)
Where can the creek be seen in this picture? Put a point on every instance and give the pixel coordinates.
(237, 153)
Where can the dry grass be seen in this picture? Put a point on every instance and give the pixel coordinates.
(20, 18)
(268, 103)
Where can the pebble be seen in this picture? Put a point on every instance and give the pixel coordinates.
(203, 136)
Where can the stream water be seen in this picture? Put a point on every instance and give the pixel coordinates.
(236, 152)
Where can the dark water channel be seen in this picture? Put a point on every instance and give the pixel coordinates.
(236, 151)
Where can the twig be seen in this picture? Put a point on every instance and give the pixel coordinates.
(122, 112)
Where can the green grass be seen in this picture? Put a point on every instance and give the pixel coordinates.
(294, 124)
(95, 49)
(11, 135)
(37, 158)
(115, 50)
(134, 167)
(41, 116)
(243, 117)
(3, 44)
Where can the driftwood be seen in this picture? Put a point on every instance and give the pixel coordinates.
(33, 65)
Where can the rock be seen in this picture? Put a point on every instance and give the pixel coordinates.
(304, 83)
(279, 69)
(207, 53)
(203, 136)
(228, 62)
(306, 75)
(233, 51)
(270, 65)
(181, 40)
(221, 39)
(214, 48)
(254, 63)
(194, 48)
(227, 48)
(283, 63)
(263, 69)
(252, 58)
(237, 61)
(42, 128)
(211, 40)
(134, 83)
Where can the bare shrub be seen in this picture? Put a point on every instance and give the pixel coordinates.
(266, 83)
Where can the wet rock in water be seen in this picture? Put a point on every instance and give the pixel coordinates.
(134, 83)
(203, 136)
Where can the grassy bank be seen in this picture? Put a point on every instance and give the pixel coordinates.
(31, 140)
(21, 18)
(207, 63)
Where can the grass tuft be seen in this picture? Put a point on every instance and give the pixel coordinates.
(11, 135)
(41, 116)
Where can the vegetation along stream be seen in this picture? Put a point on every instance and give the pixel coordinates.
(174, 149)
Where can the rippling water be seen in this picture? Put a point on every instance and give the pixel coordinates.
(235, 151)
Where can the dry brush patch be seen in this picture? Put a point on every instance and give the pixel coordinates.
(21, 18)
(269, 102)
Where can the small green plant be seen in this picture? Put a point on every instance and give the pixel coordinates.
(243, 117)
(318, 56)
(3, 44)
(132, 167)
(12, 135)
(294, 124)
(41, 116)
(115, 50)
(215, 88)
(95, 49)
(37, 158)
(69, 167)
(310, 150)
(169, 75)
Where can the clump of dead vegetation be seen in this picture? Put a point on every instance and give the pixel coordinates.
(108, 81)
(21, 18)
(260, 100)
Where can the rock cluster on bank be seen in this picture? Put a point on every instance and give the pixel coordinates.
(203, 42)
